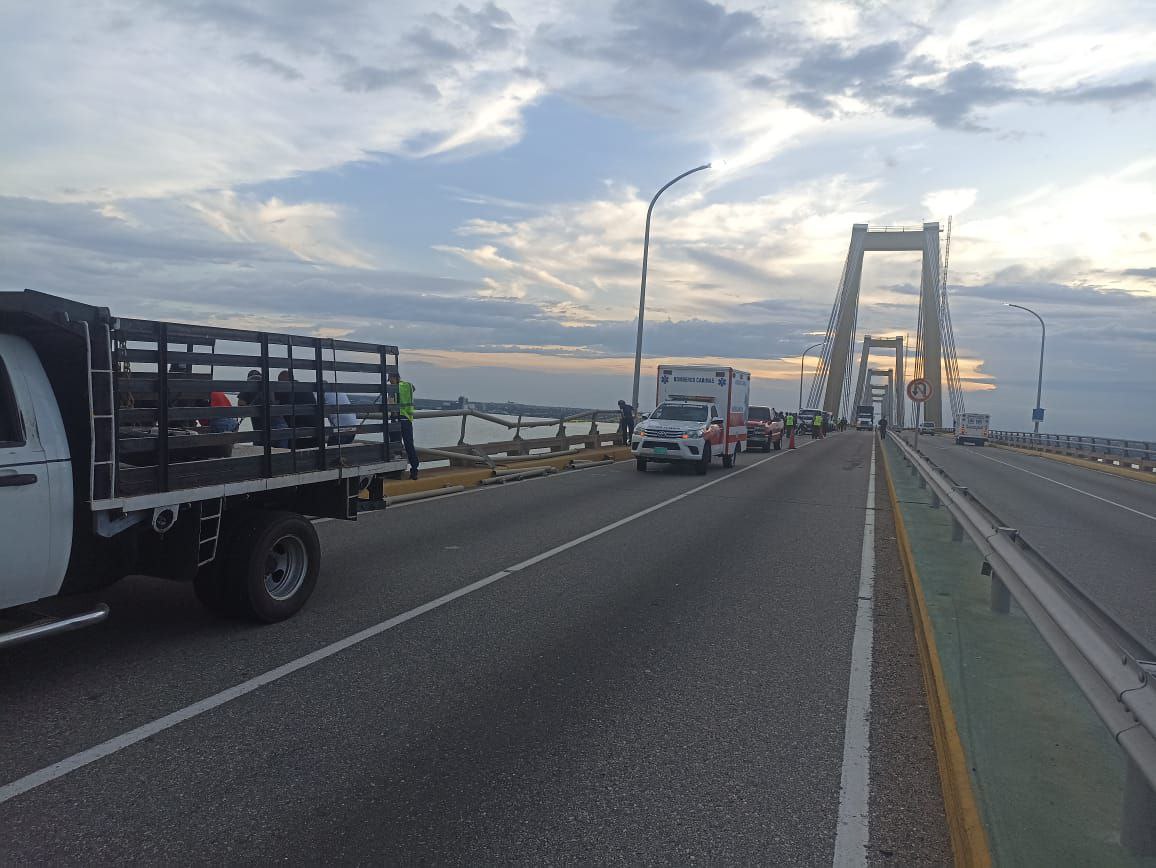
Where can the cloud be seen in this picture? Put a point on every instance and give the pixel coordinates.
(257, 60)
(945, 203)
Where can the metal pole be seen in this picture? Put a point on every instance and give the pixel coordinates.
(1040, 378)
(642, 291)
(801, 363)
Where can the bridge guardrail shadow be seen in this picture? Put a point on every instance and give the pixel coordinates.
(1060, 735)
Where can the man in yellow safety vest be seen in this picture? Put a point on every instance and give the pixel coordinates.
(405, 392)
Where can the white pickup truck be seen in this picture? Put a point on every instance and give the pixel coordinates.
(701, 415)
(110, 464)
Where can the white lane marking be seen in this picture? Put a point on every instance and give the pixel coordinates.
(851, 833)
(1065, 485)
(120, 742)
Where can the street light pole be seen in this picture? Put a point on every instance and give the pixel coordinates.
(802, 361)
(1040, 379)
(642, 291)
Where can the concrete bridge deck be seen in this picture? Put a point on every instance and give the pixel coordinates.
(602, 666)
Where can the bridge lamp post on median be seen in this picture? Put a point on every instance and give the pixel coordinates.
(642, 291)
(1038, 413)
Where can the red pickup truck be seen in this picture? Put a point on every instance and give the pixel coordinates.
(763, 429)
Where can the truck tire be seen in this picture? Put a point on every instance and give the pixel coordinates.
(701, 467)
(271, 566)
(640, 465)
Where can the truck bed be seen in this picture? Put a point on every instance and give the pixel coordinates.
(135, 395)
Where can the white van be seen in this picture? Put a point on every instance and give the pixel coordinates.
(972, 428)
(701, 415)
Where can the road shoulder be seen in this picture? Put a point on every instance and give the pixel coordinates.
(908, 822)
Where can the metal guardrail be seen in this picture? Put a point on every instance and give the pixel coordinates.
(1140, 454)
(1114, 669)
(519, 448)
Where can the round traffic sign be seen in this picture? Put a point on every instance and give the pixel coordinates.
(919, 390)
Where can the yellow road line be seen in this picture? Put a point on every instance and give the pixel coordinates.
(1103, 467)
(968, 837)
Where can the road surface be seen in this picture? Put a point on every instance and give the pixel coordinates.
(1097, 528)
(636, 668)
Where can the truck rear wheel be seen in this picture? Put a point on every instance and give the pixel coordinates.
(271, 566)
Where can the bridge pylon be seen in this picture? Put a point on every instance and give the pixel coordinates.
(832, 381)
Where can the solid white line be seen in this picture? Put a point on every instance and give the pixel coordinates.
(851, 833)
(120, 742)
(1072, 487)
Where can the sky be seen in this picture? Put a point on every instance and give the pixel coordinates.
(470, 181)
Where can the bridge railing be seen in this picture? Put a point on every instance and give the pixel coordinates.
(1137, 454)
(1113, 668)
(519, 448)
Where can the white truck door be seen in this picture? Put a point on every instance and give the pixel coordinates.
(25, 489)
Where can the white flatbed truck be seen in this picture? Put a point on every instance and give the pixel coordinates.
(110, 466)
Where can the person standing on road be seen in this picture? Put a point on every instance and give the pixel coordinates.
(405, 392)
(626, 424)
(883, 428)
(789, 426)
(817, 426)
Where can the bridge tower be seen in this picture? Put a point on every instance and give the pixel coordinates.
(832, 384)
(870, 343)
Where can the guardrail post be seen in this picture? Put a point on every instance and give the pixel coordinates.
(518, 429)
(462, 438)
(562, 427)
(1000, 595)
(956, 530)
(934, 500)
(1138, 827)
(922, 481)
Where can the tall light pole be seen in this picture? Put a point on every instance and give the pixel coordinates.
(1040, 380)
(802, 361)
(642, 292)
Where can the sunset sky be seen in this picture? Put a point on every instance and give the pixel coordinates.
(470, 180)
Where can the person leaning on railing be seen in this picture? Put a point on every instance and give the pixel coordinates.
(405, 392)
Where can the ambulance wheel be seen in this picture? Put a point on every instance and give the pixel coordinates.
(704, 462)
(640, 465)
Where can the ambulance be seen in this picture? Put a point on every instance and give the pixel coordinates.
(972, 428)
(701, 414)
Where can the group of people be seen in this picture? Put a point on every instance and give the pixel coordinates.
(337, 427)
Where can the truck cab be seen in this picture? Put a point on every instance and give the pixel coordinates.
(679, 431)
(36, 504)
(764, 431)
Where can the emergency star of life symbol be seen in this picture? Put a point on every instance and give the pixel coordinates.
(919, 390)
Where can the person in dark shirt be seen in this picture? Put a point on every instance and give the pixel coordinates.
(626, 425)
(255, 397)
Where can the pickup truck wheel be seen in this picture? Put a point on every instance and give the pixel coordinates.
(704, 462)
(272, 565)
(640, 465)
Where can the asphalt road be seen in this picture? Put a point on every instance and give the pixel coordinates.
(1098, 528)
(672, 688)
